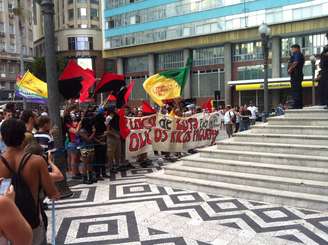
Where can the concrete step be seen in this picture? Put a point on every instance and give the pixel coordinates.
(307, 113)
(249, 136)
(274, 148)
(289, 171)
(301, 121)
(294, 199)
(315, 107)
(290, 129)
(264, 157)
(247, 179)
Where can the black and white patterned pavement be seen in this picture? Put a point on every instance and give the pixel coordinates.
(126, 210)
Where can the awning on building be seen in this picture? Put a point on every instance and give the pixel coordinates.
(274, 83)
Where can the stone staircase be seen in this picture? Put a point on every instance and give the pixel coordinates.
(284, 161)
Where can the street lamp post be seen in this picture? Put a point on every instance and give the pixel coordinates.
(47, 7)
(264, 31)
(313, 60)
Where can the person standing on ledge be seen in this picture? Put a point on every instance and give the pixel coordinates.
(295, 70)
(323, 77)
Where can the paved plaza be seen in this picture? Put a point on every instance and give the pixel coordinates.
(126, 210)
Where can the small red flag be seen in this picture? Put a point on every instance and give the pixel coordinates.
(207, 105)
(111, 98)
(129, 91)
(146, 108)
(124, 130)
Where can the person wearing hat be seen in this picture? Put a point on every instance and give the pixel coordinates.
(295, 70)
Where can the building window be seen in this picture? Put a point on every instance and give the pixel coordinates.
(1, 5)
(12, 68)
(252, 72)
(94, 1)
(138, 92)
(70, 1)
(80, 43)
(179, 8)
(82, 13)
(208, 26)
(310, 44)
(70, 14)
(247, 51)
(136, 64)
(2, 27)
(10, 7)
(2, 46)
(11, 29)
(94, 14)
(30, 35)
(83, 26)
(307, 69)
(208, 56)
(110, 66)
(118, 3)
(12, 47)
(169, 60)
(82, 1)
(24, 49)
(205, 83)
(2, 68)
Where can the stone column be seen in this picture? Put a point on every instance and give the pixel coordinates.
(151, 64)
(119, 66)
(276, 68)
(227, 72)
(276, 56)
(187, 88)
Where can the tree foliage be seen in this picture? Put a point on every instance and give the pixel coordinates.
(38, 66)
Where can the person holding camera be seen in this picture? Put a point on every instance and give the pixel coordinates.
(29, 174)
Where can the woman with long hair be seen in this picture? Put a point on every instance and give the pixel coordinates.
(87, 134)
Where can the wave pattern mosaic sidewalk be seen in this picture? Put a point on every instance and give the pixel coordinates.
(126, 210)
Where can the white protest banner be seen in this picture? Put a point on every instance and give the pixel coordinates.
(139, 139)
(180, 134)
(170, 134)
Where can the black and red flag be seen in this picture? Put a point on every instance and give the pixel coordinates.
(75, 82)
(110, 82)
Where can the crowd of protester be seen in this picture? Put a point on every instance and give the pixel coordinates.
(94, 149)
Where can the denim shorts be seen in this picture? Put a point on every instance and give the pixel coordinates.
(72, 147)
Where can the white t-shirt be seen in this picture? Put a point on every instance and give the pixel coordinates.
(228, 116)
(253, 110)
(108, 119)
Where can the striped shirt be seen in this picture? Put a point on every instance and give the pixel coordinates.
(45, 140)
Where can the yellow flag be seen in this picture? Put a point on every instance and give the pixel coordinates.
(34, 84)
(161, 88)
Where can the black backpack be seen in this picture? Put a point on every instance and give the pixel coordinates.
(24, 199)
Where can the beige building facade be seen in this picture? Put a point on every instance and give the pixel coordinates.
(77, 31)
(13, 42)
